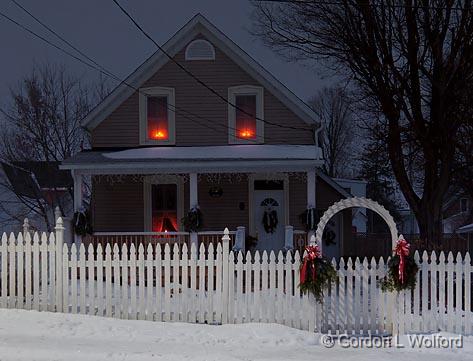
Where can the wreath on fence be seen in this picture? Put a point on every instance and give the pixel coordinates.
(82, 223)
(316, 273)
(402, 269)
(193, 220)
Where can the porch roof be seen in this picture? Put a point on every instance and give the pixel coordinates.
(204, 159)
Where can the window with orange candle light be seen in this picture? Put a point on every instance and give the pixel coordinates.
(245, 116)
(164, 208)
(158, 121)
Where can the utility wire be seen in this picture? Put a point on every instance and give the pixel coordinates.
(107, 73)
(213, 91)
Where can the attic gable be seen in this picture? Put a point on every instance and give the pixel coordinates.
(195, 28)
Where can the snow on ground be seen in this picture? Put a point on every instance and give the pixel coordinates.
(30, 335)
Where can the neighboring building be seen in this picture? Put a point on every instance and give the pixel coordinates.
(457, 212)
(358, 189)
(27, 185)
(174, 145)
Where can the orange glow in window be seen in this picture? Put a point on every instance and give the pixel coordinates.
(159, 134)
(246, 133)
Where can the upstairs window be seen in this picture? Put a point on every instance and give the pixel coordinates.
(157, 120)
(245, 118)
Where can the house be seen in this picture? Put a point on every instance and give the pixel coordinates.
(456, 212)
(357, 188)
(163, 144)
(33, 190)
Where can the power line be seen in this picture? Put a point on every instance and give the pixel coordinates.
(107, 73)
(208, 87)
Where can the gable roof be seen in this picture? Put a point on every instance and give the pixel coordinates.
(331, 182)
(197, 25)
(29, 178)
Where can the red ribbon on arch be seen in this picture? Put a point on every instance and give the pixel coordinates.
(402, 250)
(313, 252)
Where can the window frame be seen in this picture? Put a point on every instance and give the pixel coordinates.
(463, 201)
(188, 57)
(169, 93)
(233, 92)
(148, 204)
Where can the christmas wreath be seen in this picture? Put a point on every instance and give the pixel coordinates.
(402, 269)
(316, 273)
(81, 222)
(270, 220)
(193, 220)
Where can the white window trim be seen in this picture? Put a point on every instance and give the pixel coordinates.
(188, 57)
(143, 104)
(162, 179)
(246, 90)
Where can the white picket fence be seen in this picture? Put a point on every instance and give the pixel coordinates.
(213, 285)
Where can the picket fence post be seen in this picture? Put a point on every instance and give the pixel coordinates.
(225, 276)
(26, 227)
(59, 265)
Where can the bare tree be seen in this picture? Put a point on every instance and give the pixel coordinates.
(42, 123)
(410, 59)
(332, 108)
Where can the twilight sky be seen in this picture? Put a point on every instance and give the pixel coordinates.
(100, 30)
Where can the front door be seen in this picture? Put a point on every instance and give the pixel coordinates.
(269, 214)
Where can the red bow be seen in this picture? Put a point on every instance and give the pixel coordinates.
(402, 250)
(313, 252)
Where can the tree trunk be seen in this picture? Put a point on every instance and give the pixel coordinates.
(429, 219)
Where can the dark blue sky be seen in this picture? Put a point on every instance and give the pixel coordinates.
(104, 33)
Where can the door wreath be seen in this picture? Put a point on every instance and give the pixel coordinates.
(270, 216)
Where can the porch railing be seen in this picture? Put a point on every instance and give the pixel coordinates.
(153, 238)
(136, 238)
(300, 240)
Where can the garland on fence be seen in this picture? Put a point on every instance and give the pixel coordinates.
(316, 273)
(193, 220)
(82, 223)
(402, 269)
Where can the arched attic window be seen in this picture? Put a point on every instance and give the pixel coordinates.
(200, 49)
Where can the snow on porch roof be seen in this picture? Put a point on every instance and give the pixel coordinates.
(233, 158)
(221, 152)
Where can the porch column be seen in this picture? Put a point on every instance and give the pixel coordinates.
(77, 200)
(311, 195)
(193, 202)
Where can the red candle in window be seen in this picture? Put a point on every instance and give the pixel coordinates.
(159, 134)
(157, 118)
(245, 120)
(246, 133)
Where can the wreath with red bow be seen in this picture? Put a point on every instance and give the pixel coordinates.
(402, 269)
(316, 273)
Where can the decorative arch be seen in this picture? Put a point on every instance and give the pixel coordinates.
(355, 202)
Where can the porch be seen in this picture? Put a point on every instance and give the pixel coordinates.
(141, 195)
